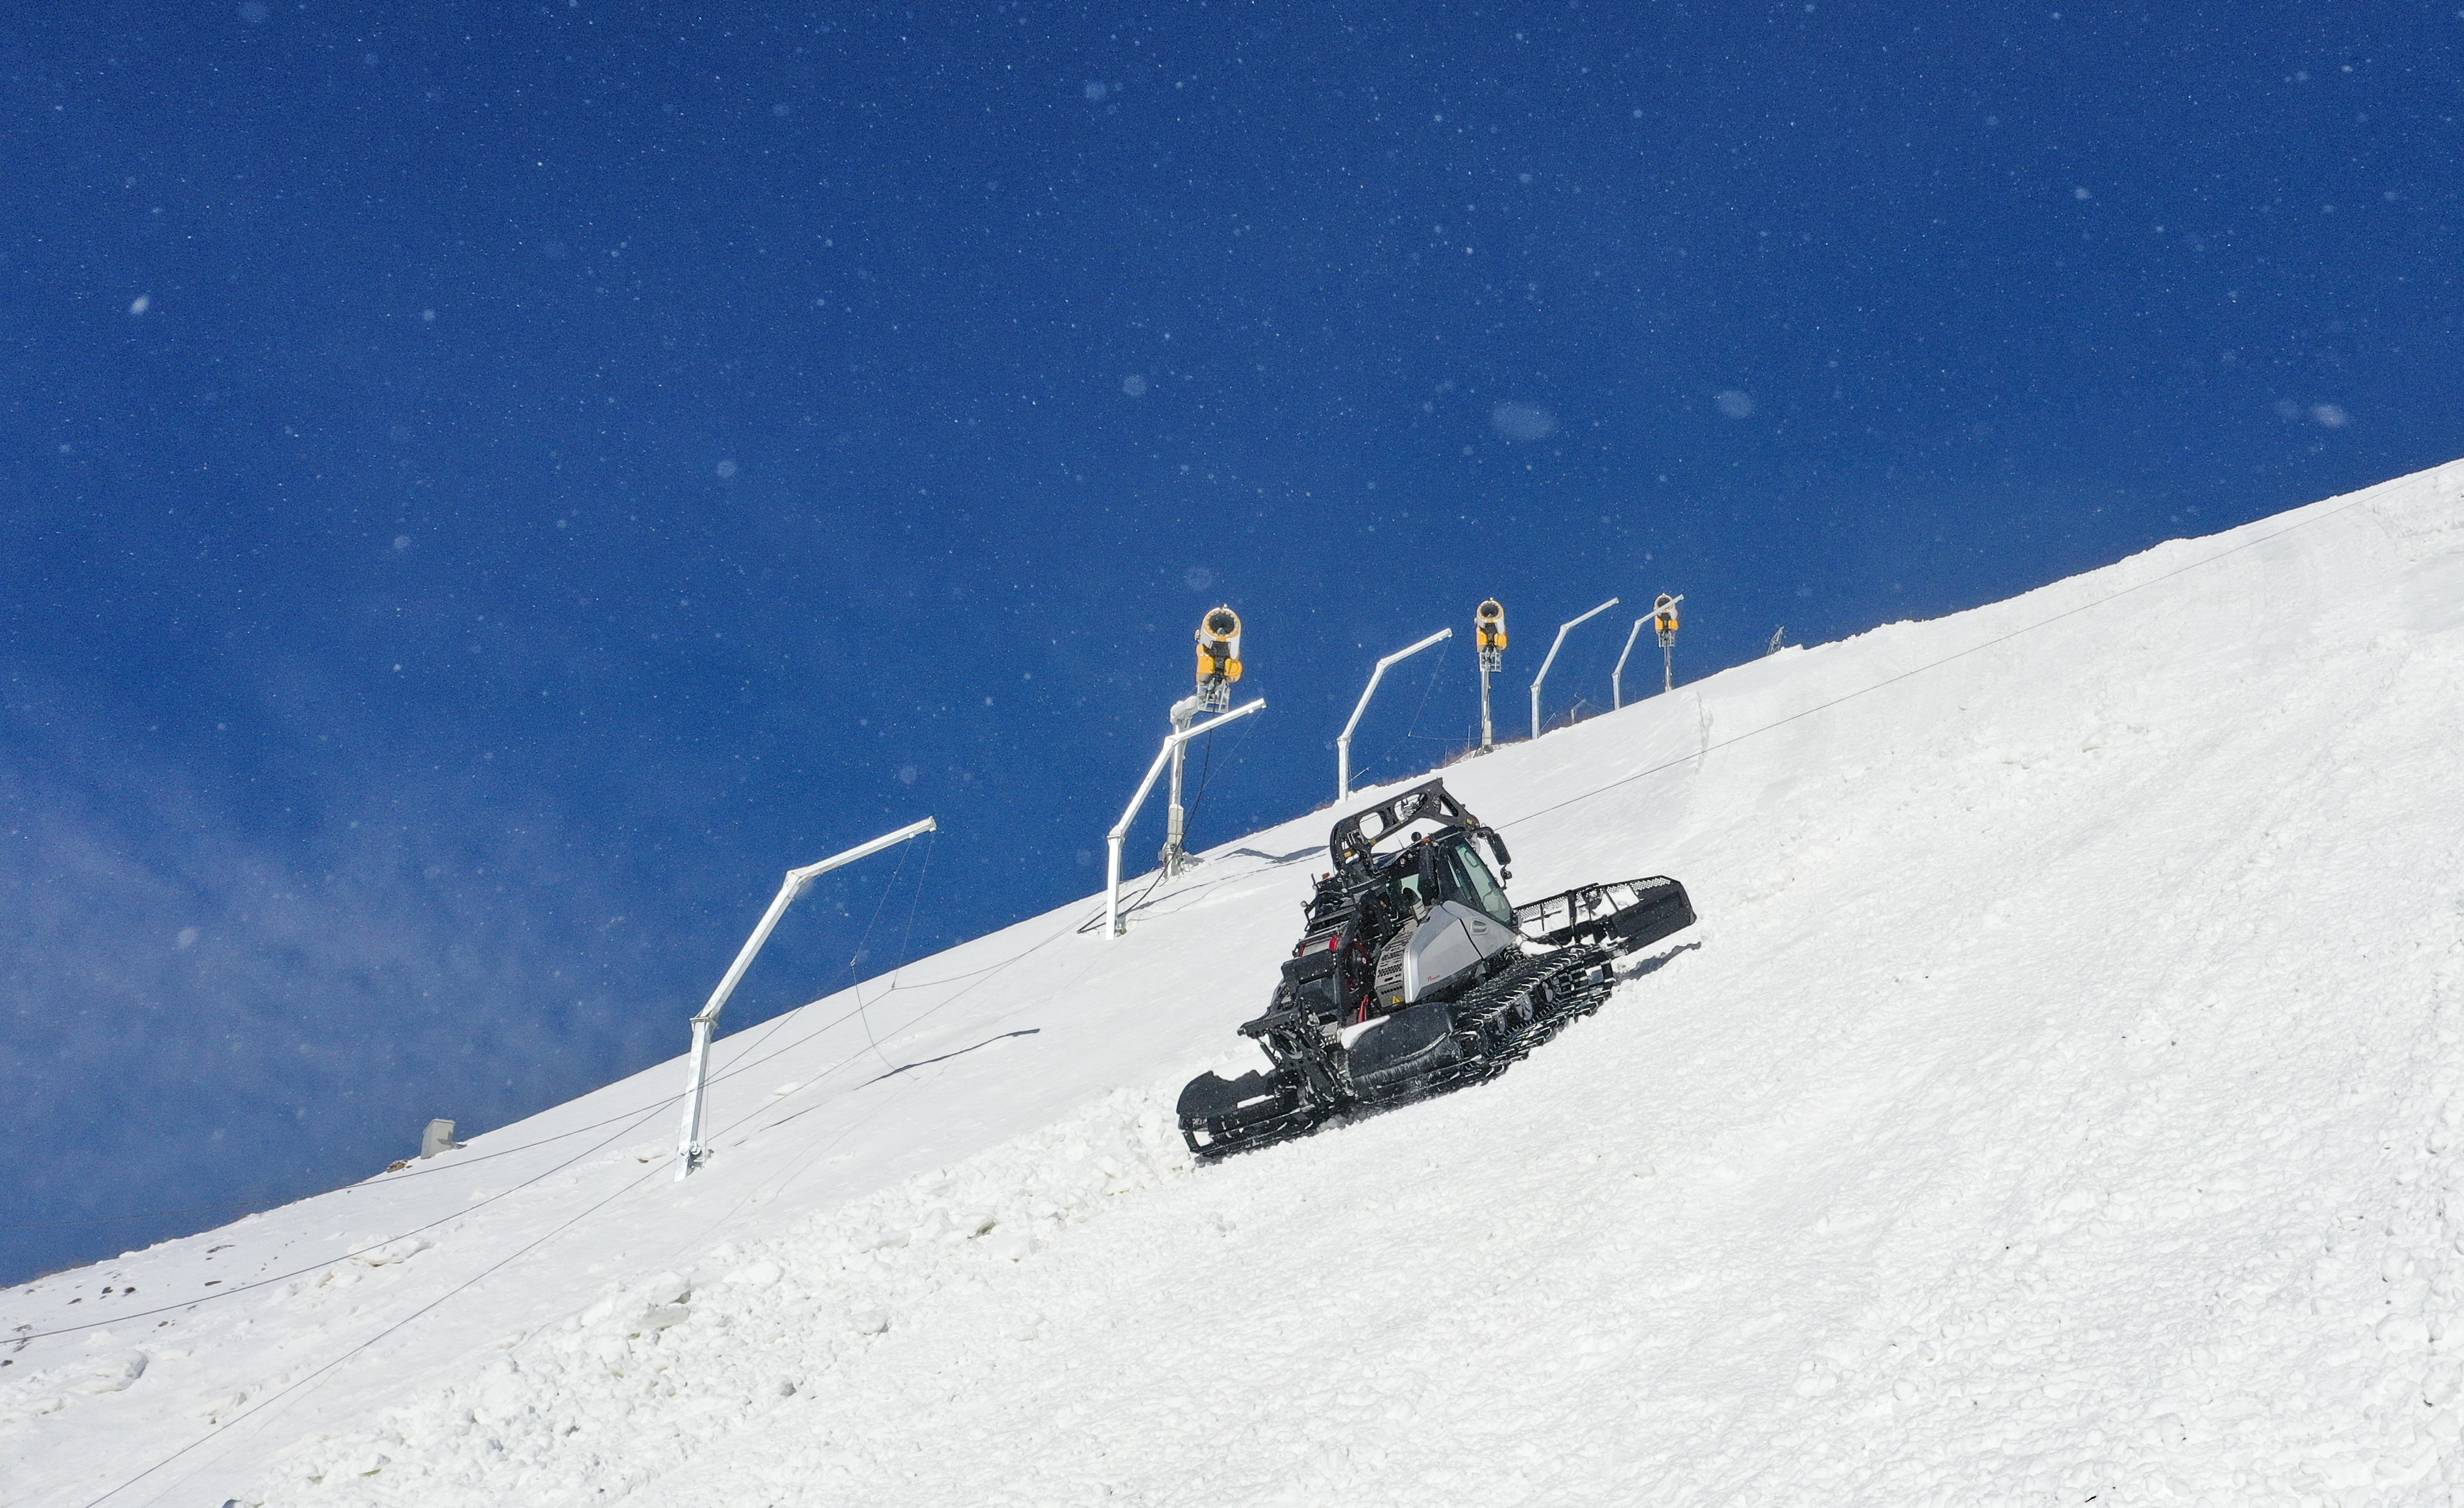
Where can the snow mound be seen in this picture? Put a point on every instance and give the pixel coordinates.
(611, 1396)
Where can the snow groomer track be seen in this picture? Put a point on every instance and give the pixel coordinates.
(2060, 1096)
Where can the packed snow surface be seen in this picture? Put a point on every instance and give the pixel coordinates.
(2059, 1099)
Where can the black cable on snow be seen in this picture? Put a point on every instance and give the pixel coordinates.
(1206, 772)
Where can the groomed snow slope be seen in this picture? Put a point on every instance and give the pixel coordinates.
(2059, 1100)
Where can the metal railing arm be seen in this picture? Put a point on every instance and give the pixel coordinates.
(789, 890)
(811, 872)
(1617, 676)
(705, 1022)
(1563, 630)
(1130, 813)
(1343, 743)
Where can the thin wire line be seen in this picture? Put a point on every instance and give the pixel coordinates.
(389, 1177)
(1206, 772)
(983, 975)
(917, 1020)
(914, 903)
(860, 945)
(301, 1271)
(1427, 688)
(452, 1293)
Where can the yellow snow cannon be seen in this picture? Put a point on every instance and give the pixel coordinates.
(1489, 625)
(1218, 646)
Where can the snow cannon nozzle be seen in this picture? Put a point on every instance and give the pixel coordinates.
(1219, 654)
(1489, 634)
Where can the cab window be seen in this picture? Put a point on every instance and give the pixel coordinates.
(1476, 886)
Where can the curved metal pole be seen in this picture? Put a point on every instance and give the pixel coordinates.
(690, 1151)
(1617, 676)
(1343, 743)
(1552, 657)
(1128, 814)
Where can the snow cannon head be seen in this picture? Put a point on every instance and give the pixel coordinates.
(1489, 625)
(1219, 647)
(1664, 612)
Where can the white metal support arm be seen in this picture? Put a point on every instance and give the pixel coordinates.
(1130, 813)
(1343, 744)
(1617, 676)
(688, 1150)
(1562, 630)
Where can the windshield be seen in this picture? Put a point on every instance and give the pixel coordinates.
(1475, 886)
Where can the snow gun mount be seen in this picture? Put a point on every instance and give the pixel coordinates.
(1414, 974)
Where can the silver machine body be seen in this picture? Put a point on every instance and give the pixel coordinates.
(1450, 942)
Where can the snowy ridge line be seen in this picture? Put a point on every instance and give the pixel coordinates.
(636, 1120)
(275, 1203)
(2355, 501)
(454, 1292)
(457, 1290)
(469, 1282)
(388, 1181)
(375, 1181)
(588, 1409)
(634, 1117)
(279, 1278)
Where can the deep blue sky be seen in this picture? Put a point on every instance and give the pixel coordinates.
(484, 488)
